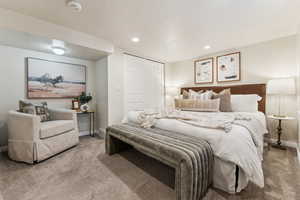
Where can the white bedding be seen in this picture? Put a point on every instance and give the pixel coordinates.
(236, 146)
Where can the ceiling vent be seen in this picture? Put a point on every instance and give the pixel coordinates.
(74, 5)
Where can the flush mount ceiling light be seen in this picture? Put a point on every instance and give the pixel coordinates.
(74, 5)
(206, 47)
(135, 39)
(58, 47)
(58, 51)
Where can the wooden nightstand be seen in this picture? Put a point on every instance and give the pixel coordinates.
(279, 129)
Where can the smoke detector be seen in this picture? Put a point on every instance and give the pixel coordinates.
(74, 5)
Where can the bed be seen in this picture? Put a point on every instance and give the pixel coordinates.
(237, 152)
(227, 176)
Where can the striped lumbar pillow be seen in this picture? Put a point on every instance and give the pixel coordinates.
(211, 105)
(200, 95)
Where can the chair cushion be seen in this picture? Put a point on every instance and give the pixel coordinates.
(57, 127)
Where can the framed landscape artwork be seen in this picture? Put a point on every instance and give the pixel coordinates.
(50, 79)
(229, 67)
(204, 70)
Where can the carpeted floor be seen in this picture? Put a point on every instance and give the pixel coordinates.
(86, 173)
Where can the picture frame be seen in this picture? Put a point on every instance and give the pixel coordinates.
(75, 104)
(48, 79)
(204, 71)
(229, 67)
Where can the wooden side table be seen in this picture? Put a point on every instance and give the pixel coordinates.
(91, 115)
(279, 129)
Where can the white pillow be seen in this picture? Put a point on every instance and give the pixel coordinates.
(201, 96)
(245, 102)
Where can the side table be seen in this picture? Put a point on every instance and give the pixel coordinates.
(279, 129)
(91, 115)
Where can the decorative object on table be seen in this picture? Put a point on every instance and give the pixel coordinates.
(85, 107)
(75, 104)
(279, 129)
(204, 70)
(50, 79)
(229, 67)
(279, 88)
(84, 100)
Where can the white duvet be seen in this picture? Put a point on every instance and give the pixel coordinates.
(241, 145)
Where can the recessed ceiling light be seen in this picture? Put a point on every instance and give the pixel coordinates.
(135, 39)
(74, 5)
(207, 47)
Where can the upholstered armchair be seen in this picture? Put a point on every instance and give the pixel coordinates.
(30, 140)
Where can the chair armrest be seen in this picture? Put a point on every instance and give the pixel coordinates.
(62, 114)
(23, 126)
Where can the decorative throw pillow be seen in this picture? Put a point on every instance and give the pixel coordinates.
(211, 105)
(26, 107)
(200, 94)
(225, 100)
(40, 109)
(185, 94)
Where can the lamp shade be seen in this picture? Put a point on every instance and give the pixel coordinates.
(172, 91)
(283, 86)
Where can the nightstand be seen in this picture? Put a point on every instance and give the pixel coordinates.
(279, 129)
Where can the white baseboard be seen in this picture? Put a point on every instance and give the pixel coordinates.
(3, 148)
(286, 143)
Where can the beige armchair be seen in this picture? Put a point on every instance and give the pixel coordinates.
(30, 140)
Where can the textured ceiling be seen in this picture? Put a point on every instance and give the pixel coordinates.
(171, 30)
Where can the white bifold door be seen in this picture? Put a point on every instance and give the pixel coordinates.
(144, 84)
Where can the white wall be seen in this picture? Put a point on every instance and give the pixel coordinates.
(102, 93)
(12, 82)
(115, 87)
(110, 90)
(298, 83)
(259, 63)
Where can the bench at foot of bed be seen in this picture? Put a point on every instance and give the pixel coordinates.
(192, 158)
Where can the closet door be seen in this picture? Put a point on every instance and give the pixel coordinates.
(144, 84)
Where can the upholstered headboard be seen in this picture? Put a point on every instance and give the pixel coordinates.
(259, 89)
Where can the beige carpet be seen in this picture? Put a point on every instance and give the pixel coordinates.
(86, 173)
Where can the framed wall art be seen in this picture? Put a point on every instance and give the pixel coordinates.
(50, 79)
(229, 67)
(204, 71)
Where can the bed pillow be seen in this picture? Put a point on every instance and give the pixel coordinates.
(185, 94)
(210, 105)
(200, 95)
(245, 103)
(225, 100)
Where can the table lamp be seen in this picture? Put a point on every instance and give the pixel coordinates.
(281, 87)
